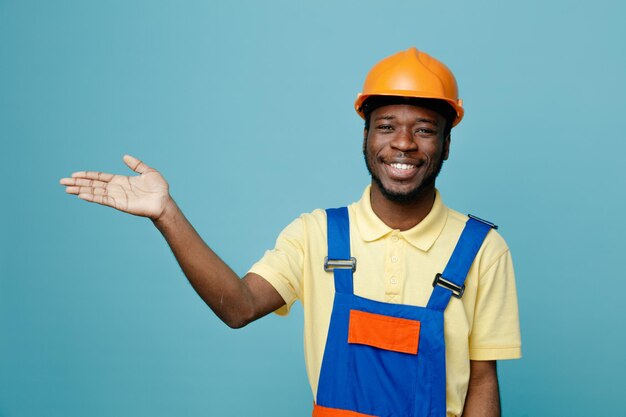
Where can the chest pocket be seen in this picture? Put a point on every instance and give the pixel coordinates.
(384, 332)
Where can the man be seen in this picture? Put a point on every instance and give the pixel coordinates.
(375, 279)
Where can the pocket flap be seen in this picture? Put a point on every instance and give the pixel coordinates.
(384, 332)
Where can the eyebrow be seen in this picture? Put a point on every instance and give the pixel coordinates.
(418, 120)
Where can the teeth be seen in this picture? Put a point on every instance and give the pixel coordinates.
(402, 166)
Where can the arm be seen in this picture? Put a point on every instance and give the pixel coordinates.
(483, 397)
(235, 301)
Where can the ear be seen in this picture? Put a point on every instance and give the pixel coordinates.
(365, 133)
(446, 148)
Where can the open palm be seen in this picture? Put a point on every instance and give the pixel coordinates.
(145, 194)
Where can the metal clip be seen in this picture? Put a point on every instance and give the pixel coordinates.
(493, 226)
(330, 264)
(457, 291)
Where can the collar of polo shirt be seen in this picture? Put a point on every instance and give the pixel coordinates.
(422, 236)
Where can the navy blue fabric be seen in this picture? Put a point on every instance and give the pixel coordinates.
(460, 262)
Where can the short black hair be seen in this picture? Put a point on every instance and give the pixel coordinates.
(440, 106)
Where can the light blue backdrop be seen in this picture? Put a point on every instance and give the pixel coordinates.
(246, 107)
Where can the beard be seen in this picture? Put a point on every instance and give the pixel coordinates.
(408, 196)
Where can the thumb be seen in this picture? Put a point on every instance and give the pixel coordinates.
(135, 164)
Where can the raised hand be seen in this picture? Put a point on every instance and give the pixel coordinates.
(144, 195)
(236, 301)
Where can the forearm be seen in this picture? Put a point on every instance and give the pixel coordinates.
(217, 284)
(483, 396)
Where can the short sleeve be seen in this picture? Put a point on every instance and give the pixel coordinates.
(282, 266)
(495, 331)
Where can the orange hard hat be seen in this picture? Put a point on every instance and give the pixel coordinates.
(412, 73)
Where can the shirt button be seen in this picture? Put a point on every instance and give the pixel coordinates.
(393, 280)
(394, 238)
(394, 259)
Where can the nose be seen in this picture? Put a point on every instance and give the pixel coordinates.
(404, 141)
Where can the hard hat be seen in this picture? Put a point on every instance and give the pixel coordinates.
(411, 73)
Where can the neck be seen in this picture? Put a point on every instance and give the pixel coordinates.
(402, 215)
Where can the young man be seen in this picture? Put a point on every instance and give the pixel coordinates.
(378, 279)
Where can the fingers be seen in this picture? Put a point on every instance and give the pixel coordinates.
(91, 175)
(82, 182)
(135, 164)
(98, 179)
(92, 191)
(87, 190)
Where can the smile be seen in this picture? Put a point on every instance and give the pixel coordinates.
(400, 171)
(404, 167)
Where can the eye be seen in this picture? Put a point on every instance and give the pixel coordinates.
(384, 127)
(423, 131)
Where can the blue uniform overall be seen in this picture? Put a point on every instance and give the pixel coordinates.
(382, 359)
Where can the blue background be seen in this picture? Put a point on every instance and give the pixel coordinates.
(246, 107)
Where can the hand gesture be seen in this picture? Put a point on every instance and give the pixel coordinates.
(146, 194)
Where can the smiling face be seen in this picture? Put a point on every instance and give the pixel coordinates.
(404, 150)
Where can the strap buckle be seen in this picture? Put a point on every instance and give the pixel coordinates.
(457, 291)
(331, 264)
(492, 225)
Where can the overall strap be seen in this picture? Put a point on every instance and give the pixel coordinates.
(338, 259)
(451, 281)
